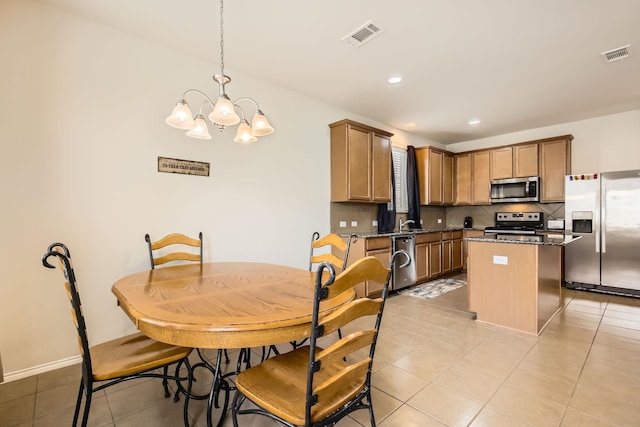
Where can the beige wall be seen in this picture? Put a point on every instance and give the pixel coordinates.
(83, 109)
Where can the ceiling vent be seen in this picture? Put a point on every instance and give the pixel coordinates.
(617, 54)
(366, 32)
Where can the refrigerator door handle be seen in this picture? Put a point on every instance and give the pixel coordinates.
(603, 223)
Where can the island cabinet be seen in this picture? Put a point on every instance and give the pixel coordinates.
(462, 168)
(513, 285)
(465, 250)
(555, 163)
(480, 178)
(514, 161)
(435, 176)
(360, 163)
(379, 247)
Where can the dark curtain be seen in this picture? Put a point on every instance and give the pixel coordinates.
(387, 211)
(413, 189)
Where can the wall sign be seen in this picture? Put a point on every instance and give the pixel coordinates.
(187, 167)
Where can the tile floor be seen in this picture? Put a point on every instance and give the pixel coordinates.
(434, 366)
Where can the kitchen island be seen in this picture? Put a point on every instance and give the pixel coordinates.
(515, 281)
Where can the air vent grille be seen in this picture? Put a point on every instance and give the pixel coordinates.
(617, 54)
(366, 32)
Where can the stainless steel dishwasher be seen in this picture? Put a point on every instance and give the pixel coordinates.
(406, 276)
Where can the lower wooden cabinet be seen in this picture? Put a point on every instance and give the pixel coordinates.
(422, 262)
(428, 255)
(435, 259)
(452, 251)
(437, 253)
(379, 247)
(457, 253)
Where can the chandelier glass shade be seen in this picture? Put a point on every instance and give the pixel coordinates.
(224, 111)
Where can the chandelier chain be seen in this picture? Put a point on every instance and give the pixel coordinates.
(221, 40)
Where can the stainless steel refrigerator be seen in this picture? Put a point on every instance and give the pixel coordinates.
(603, 208)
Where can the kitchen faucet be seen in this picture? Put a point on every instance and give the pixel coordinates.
(409, 221)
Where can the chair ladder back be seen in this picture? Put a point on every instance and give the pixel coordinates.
(334, 241)
(348, 313)
(179, 255)
(356, 372)
(367, 268)
(343, 348)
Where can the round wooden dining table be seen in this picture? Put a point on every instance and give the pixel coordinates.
(222, 304)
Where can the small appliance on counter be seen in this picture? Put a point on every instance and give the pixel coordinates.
(555, 225)
(468, 222)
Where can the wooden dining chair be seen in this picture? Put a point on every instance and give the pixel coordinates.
(123, 359)
(313, 386)
(176, 243)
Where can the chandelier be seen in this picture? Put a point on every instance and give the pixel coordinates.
(223, 110)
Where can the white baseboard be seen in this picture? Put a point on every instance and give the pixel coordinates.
(40, 369)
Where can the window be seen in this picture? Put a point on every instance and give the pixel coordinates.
(399, 157)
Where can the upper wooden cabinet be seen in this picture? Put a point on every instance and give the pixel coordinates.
(514, 161)
(501, 162)
(525, 160)
(462, 167)
(360, 163)
(435, 176)
(448, 178)
(555, 163)
(480, 178)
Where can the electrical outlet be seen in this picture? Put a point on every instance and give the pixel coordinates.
(421, 222)
(374, 223)
(500, 260)
(354, 223)
(343, 224)
(439, 220)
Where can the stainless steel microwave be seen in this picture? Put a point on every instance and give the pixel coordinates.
(515, 190)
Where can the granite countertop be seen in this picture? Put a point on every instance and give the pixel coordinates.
(555, 239)
(372, 234)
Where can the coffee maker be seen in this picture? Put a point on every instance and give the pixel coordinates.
(468, 222)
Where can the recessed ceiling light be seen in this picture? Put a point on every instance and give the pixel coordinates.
(473, 122)
(394, 79)
(411, 125)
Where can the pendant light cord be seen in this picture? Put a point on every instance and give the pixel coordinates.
(221, 41)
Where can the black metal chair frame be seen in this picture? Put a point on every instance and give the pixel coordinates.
(87, 386)
(363, 399)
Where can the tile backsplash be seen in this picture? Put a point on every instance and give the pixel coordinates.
(364, 214)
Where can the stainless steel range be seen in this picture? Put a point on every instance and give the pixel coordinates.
(517, 223)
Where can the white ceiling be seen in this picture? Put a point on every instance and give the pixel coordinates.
(515, 64)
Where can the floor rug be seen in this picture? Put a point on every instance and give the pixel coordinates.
(435, 288)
